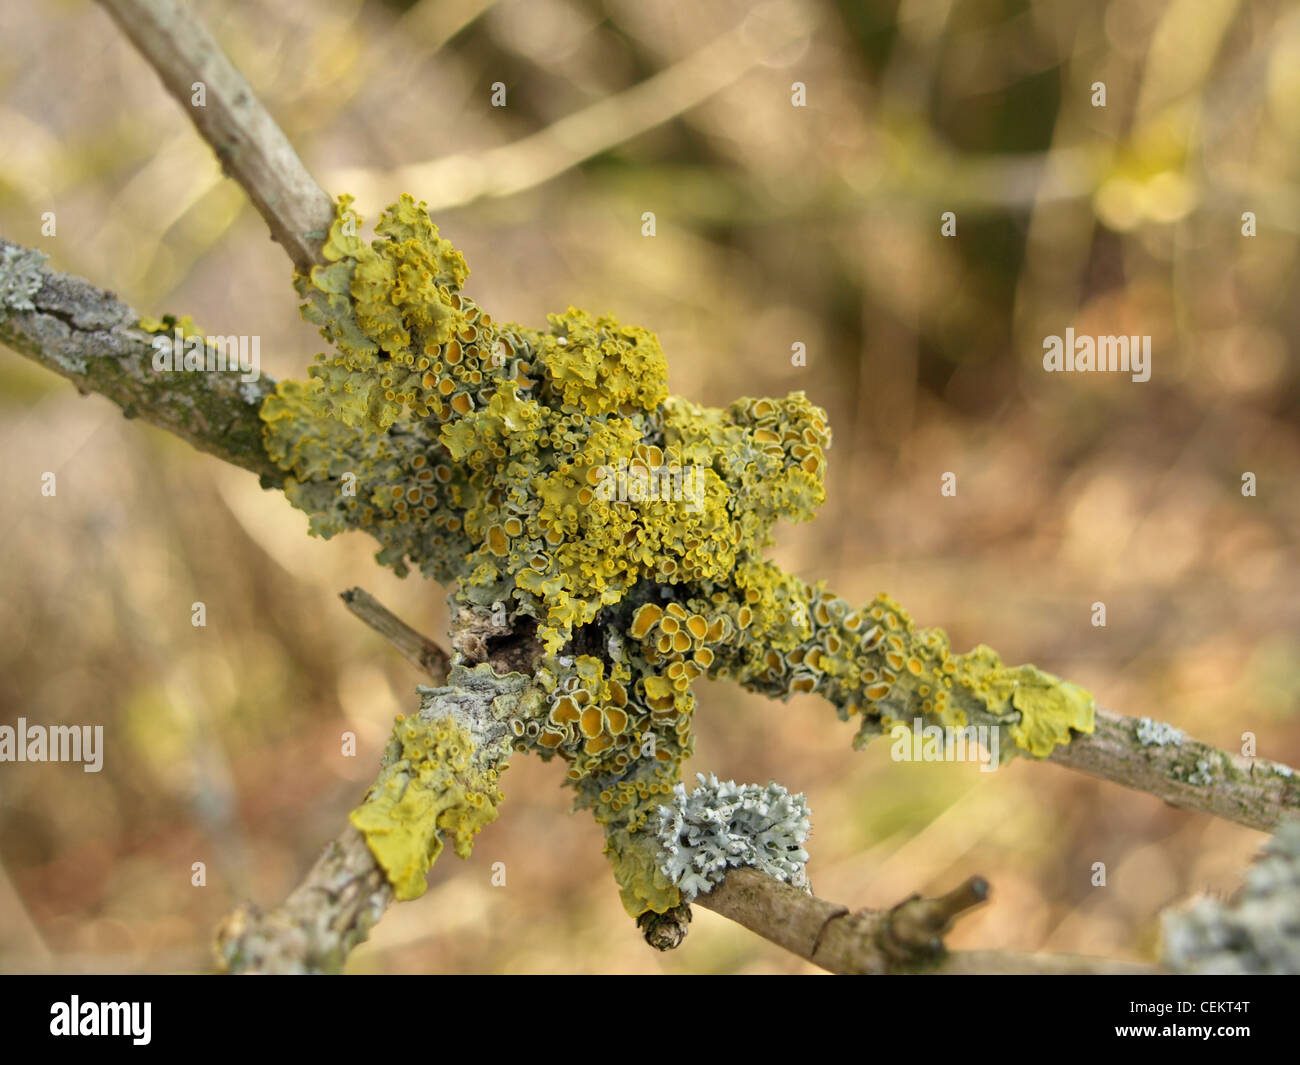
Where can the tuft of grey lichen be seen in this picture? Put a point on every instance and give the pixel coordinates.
(721, 826)
(21, 273)
(1157, 733)
(1258, 933)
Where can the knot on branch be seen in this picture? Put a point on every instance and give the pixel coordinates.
(665, 931)
(913, 930)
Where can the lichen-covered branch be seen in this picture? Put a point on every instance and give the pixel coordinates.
(550, 476)
(440, 772)
(346, 891)
(437, 782)
(318, 925)
(607, 542)
(425, 790)
(907, 938)
(249, 145)
(1161, 761)
(89, 336)
(876, 667)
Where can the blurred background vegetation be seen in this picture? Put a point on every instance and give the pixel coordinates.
(775, 225)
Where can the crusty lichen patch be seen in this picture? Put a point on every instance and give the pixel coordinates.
(22, 272)
(550, 472)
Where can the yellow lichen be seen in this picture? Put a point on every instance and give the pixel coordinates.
(429, 790)
(551, 473)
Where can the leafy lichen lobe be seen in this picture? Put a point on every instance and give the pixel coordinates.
(429, 789)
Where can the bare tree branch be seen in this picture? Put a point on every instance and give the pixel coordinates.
(416, 648)
(249, 145)
(905, 939)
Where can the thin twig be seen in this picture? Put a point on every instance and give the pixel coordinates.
(249, 145)
(416, 648)
(454, 180)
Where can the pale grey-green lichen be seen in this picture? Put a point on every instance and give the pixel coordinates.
(21, 273)
(1258, 933)
(1158, 734)
(721, 826)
